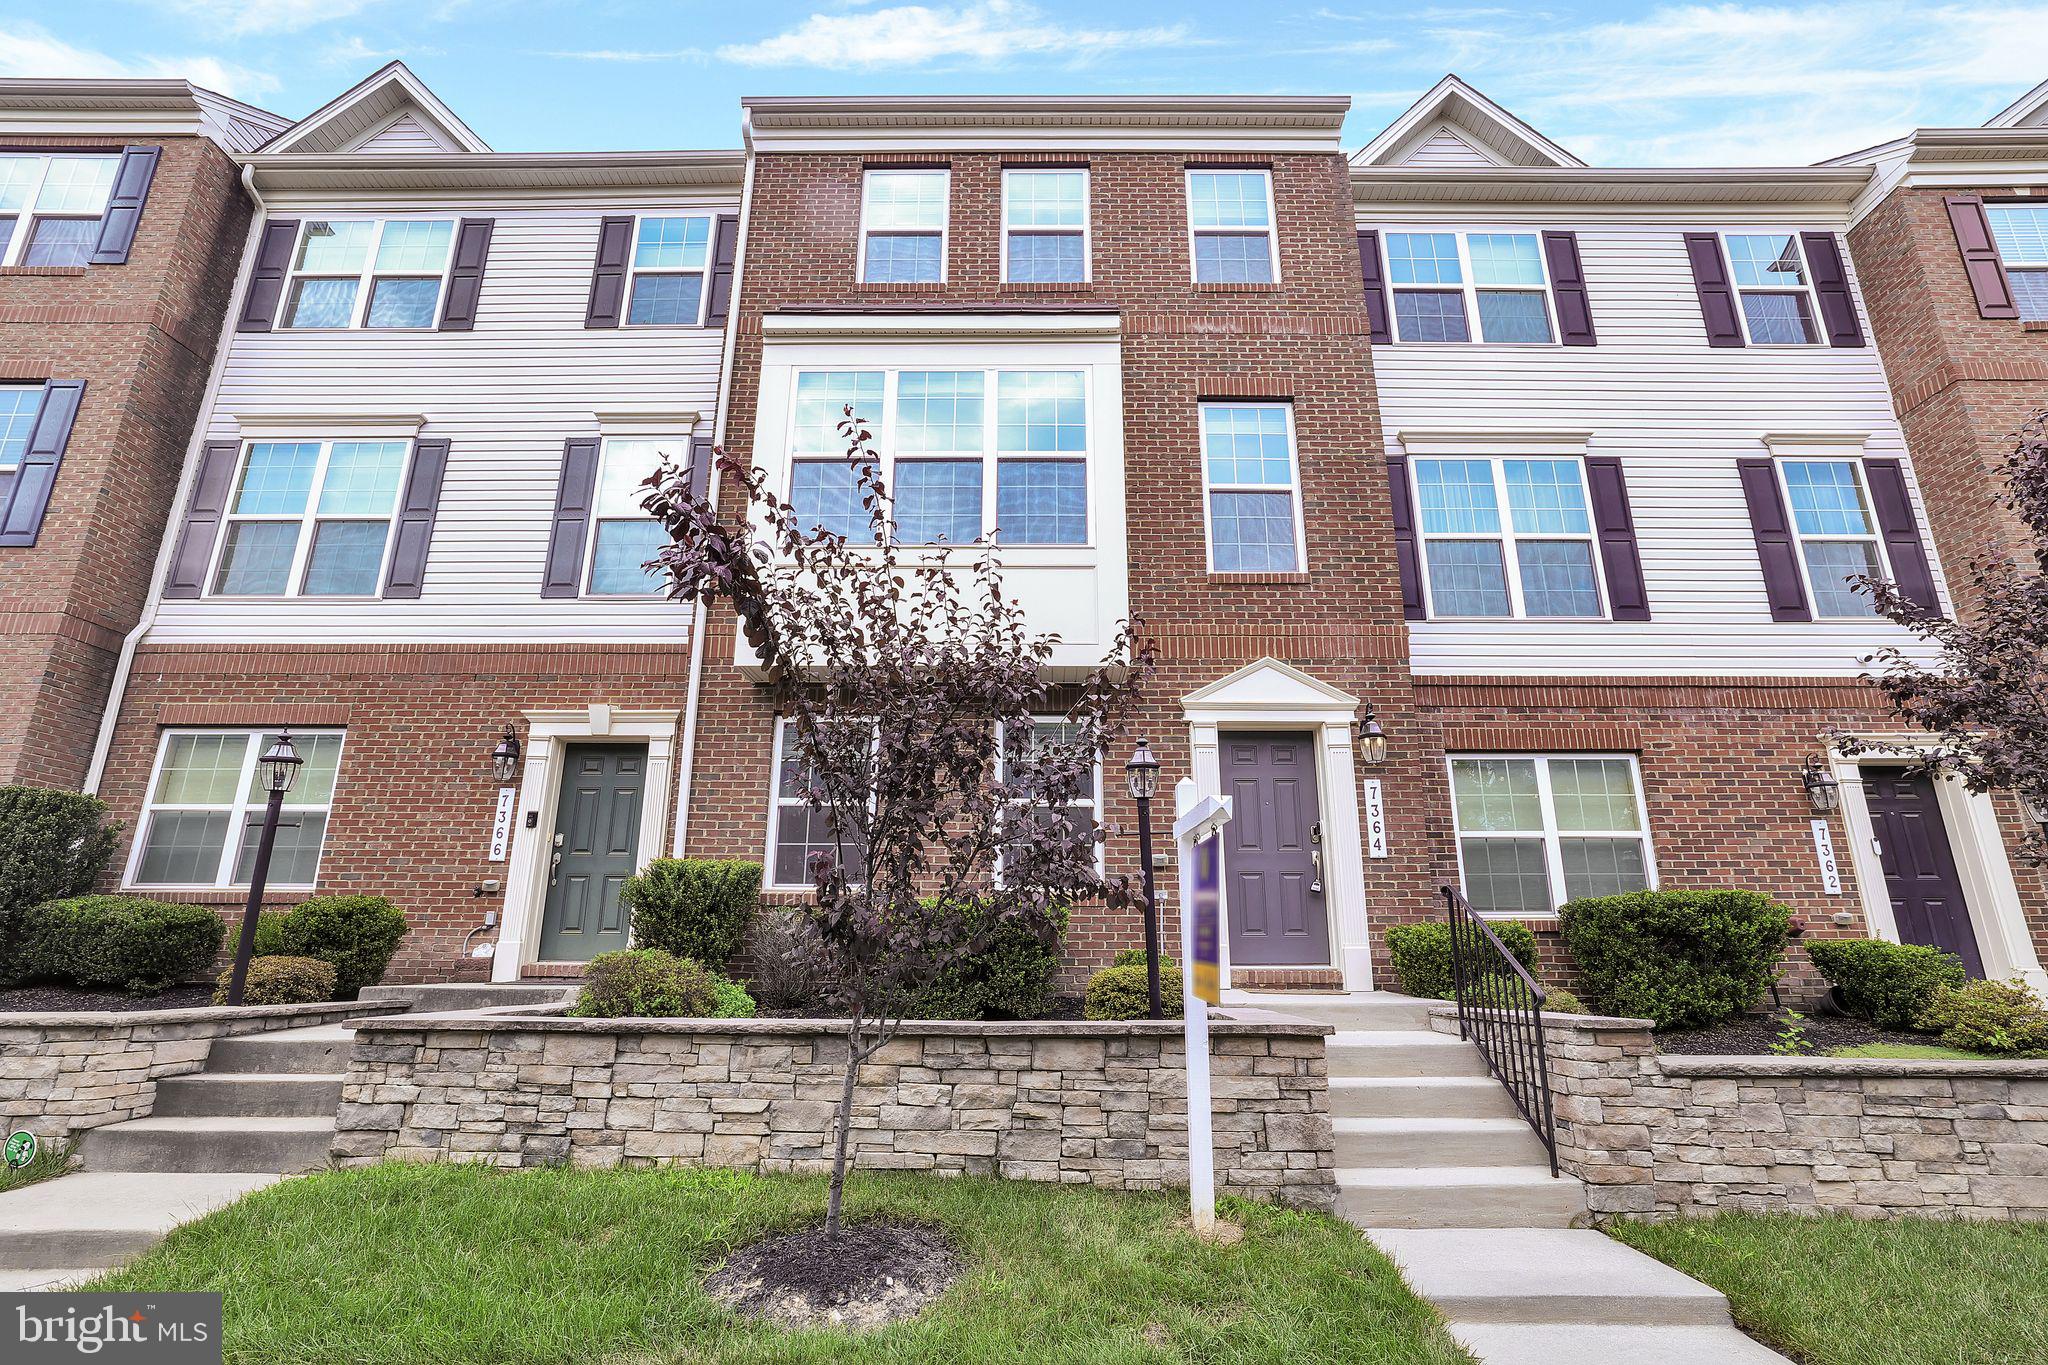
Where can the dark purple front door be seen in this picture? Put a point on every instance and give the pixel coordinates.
(1919, 864)
(1273, 892)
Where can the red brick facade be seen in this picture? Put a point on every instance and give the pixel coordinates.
(142, 337)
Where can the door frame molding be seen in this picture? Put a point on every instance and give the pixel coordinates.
(1990, 892)
(1270, 695)
(548, 736)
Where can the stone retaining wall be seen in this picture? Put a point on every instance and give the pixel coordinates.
(1660, 1136)
(63, 1073)
(1077, 1103)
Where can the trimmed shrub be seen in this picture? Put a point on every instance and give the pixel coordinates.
(1422, 954)
(356, 935)
(53, 845)
(1999, 1017)
(1120, 993)
(731, 1000)
(697, 908)
(280, 981)
(1011, 977)
(131, 944)
(1135, 957)
(1558, 1000)
(1685, 959)
(645, 983)
(1890, 983)
(269, 933)
(778, 960)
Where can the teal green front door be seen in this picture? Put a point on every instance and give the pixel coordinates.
(596, 847)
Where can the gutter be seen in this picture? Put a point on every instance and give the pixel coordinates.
(124, 665)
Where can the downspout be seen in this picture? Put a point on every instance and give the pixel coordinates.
(698, 620)
(124, 664)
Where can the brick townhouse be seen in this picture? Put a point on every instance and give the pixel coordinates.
(1553, 473)
(121, 225)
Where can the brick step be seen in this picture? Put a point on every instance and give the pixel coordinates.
(254, 1094)
(1414, 1142)
(212, 1143)
(1451, 1097)
(1459, 1197)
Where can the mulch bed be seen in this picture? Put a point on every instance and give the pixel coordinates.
(876, 1273)
(68, 999)
(1754, 1033)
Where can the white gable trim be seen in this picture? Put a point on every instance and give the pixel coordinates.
(2028, 111)
(1267, 685)
(1476, 120)
(388, 93)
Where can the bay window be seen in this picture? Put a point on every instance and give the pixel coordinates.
(1537, 832)
(204, 813)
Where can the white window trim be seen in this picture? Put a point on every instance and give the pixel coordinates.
(1209, 487)
(12, 250)
(2030, 267)
(860, 265)
(1553, 849)
(777, 801)
(1468, 285)
(1271, 230)
(12, 466)
(237, 811)
(1799, 538)
(1813, 313)
(1087, 228)
(368, 275)
(1094, 802)
(1511, 559)
(703, 272)
(307, 521)
(883, 428)
(604, 454)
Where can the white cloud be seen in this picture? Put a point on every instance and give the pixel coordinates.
(27, 50)
(270, 16)
(987, 31)
(353, 51)
(614, 54)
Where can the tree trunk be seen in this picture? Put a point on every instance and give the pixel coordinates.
(843, 1129)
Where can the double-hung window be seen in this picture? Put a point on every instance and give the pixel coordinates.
(51, 206)
(1045, 226)
(903, 226)
(204, 816)
(669, 259)
(310, 519)
(1042, 457)
(1230, 226)
(1535, 833)
(19, 404)
(369, 272)
(1079, 808)
(797, 830)
(823, 489)
(1254, 488)
(2021, 232)
(623, 538)
(1442, 280)
(1771, 278)
(1536, 561)
(939, 433)
(1838, 539)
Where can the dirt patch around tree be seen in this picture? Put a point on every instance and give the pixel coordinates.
(876, 1273)
(70, 999)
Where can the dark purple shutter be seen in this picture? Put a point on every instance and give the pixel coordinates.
(1568, 287)
(203, 511)
(415, 529)
(1375, 287)
(1405, 549)
(564, 576)
(1903, 545)
(124, 205)
(266, 277)
(22, 516)
(1776, 549)
(1627, 599)
(608, 276)
(1980, 257)
(1831, 283)
(725, 252)
(1717, 295)
(701, 461)
(466, 276)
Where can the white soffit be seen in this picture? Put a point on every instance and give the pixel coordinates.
(938, 124)
(1801, 186)
(133, 108)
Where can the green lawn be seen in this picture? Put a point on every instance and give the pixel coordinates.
(1912, 1052)
(440, 1264)
(1904, 1291)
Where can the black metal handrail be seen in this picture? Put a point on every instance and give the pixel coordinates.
(1500, 1008)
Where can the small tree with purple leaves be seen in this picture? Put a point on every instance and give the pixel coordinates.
(1986, 695)
(940, 815)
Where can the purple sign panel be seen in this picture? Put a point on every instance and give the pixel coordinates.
(1205, 904)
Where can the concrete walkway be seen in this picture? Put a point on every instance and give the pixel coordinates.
(1440, 1173)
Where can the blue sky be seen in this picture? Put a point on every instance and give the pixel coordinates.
(1619, 84)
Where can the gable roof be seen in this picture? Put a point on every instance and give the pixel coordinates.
(2028, 111)
(365, 111)
(98, 107)
(1485, 132)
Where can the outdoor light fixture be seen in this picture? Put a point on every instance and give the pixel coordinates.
(2037, 808)
(1372, 741)
(1143, 772)
(1822, 791)
(279, 769)
(280, 764)
(505, 758)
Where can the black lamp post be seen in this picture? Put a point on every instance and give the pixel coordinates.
(279, 769)
(505, 758)
(1143, 773)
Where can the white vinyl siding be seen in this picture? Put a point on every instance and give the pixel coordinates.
(1678, 414)
(505, 396)
(1536, 832)
(204, 813)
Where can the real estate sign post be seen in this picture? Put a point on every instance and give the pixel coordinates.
(1197, 835)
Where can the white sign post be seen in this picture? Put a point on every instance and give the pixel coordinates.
(1197, 836)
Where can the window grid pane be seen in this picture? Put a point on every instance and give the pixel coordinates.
(1041, 412)
(77, 185)
(1233, 258)
(322, 303)
(822, 398)
(183, 848)
(1252, 532)
(938, 500)
(1045, 199)
(403, 302)
(1430, 315)
(1506, 876)
(2030, 292)
(362, 477)
(256, 558)
(1602, 867)
(345, 558)
(621, 548)
(825, 494)
(1831, 564)
(1505, 258)
(665, 300)
(18, 408)
(1766, 259)
(1496, 795)
(1468, 578)
(906, 199)
(1457, 497)
(1509, 318)
(672, 244)
(1557, 578)
(1779, 319)
(17, 174)
(1827, 498)
(1593, 794)
(1042, 502)
(1228, 199)
(62, 241)
(904, 258)
(1247, 445)
(1048, 258)
(414, 248)
(1546, 497)
(1423, 258)
(938, 412)
(200, 770)
(335, 248)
